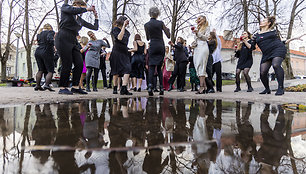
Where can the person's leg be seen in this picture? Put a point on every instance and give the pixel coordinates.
(151, 79)
(83, 75)
(202, 85)
(279, 72)
(78, 67)
(38, 81)
(134, 83)
(66, 58)
(218, 70)
(182, 75)
(125, 82)
(264, 69)
(88, 77)
(115, 84)
(95, 81)
(110, 80)
(104, 77)
(160, 78)
(173, 76)
(238, 71)
(247, 79)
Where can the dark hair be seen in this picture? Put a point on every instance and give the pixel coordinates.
(213, 37)
(120, 21)
(137, 37)
(182, 40)
(272, 20)
(240, 44)
(79, 2)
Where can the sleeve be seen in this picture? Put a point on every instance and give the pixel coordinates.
(178, 46)
(72, 10)
(95, 26)
(104, 44)
(166, 30)
(147, 32)
(253, 42)
(203, 35)
(50, 37)
(237, 54)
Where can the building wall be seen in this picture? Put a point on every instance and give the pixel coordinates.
(10, 65)
(298, 64)
(22, 71)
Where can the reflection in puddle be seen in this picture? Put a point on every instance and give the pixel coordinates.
(152, 135)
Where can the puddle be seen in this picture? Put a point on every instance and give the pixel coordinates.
(152, 135)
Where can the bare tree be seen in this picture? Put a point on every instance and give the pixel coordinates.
(180, 13)
(12, 20)
(28, 41)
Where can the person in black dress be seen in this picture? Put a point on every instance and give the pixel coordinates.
(138, 61)
(103, 55)
(67, 45)
(273, 53)
(180, 65)
(245, 62)
(212, 45)
(120, 59)
(44, 56)
(154, 32)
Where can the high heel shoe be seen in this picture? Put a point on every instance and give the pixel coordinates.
(266, 91)
(38, 88)
(49, 88)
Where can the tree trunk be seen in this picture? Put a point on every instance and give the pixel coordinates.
(174, 20)
(28, 44)
(245, 15)
(267, 8)
(1, 57)
(287, 63)
(114, 16)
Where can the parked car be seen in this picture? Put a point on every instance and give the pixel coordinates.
(300, 77)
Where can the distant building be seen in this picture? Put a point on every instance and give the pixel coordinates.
(298, 62)
(22, 70)
(10, 64)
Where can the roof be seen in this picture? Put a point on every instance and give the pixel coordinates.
(230, 44)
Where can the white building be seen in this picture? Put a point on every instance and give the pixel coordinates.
(22, 70)
(10, 64)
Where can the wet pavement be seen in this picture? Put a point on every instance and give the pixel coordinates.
(152, 135)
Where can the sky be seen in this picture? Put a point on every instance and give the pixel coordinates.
(105, 16)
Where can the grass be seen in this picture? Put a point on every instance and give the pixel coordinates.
(2, 84)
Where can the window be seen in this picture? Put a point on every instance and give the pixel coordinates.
(23, 67)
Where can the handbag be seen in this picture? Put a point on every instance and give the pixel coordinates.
(170, 65)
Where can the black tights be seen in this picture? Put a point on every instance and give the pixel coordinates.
(276, 62)
(88, 76)
(151, 75)
(48, 78)
(246, 76)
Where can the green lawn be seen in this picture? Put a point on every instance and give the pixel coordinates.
(2, 84)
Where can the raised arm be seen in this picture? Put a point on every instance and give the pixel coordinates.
(166, 30)
(147, 32)
(95, 26)
(73, 10)
(121, 34)
(295, 38)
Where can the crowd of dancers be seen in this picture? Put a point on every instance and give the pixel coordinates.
(152, 61)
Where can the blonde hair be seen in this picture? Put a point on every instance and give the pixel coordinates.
(79, 3)
(84, 40)
(205, 25)
(46, 27)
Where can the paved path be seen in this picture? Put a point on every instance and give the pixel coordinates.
(10, 96)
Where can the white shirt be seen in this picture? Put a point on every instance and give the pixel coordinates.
(217, 53)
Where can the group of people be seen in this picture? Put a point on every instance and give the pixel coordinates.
(154, 60)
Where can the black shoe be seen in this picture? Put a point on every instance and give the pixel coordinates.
(237, 89)
(139, 90)
(135, 89)
(95, 89)
(211, 91)
(49, 88)
(124, 91)
(150, 91)
(156, 90)
(170, 88)
(280, 91)
(38, 88)
(65, 91)
(266, 91)
(109, 86)
(250, 89)
(88, 90)
(78, 91)
(161, 92)
(115, 91)
(181, 90)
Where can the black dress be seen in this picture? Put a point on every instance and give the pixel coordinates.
(138, 60)
(119, 58)
(270, 44)
(44, 53)
(245, 57)
(154, 31)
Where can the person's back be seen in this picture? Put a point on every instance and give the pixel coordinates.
(140, 48)
(154, 29)
(46, 39)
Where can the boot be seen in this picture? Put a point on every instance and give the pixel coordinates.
(161, 91)
(280, 91)
(266, 91)
(150, 90)
(192, 87)
(170, 87)
(124, 91)
(250, 89)
(115, 90)
(237, 87)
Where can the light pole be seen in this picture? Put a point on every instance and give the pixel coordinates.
(17, 50)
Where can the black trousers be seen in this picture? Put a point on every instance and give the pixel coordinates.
(179, 72)
(217, 68)
(152, 69)
(209, 70)
(103, 71)
(67, 48)
(94, 79)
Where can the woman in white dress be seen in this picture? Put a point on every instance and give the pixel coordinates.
(201, 51)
